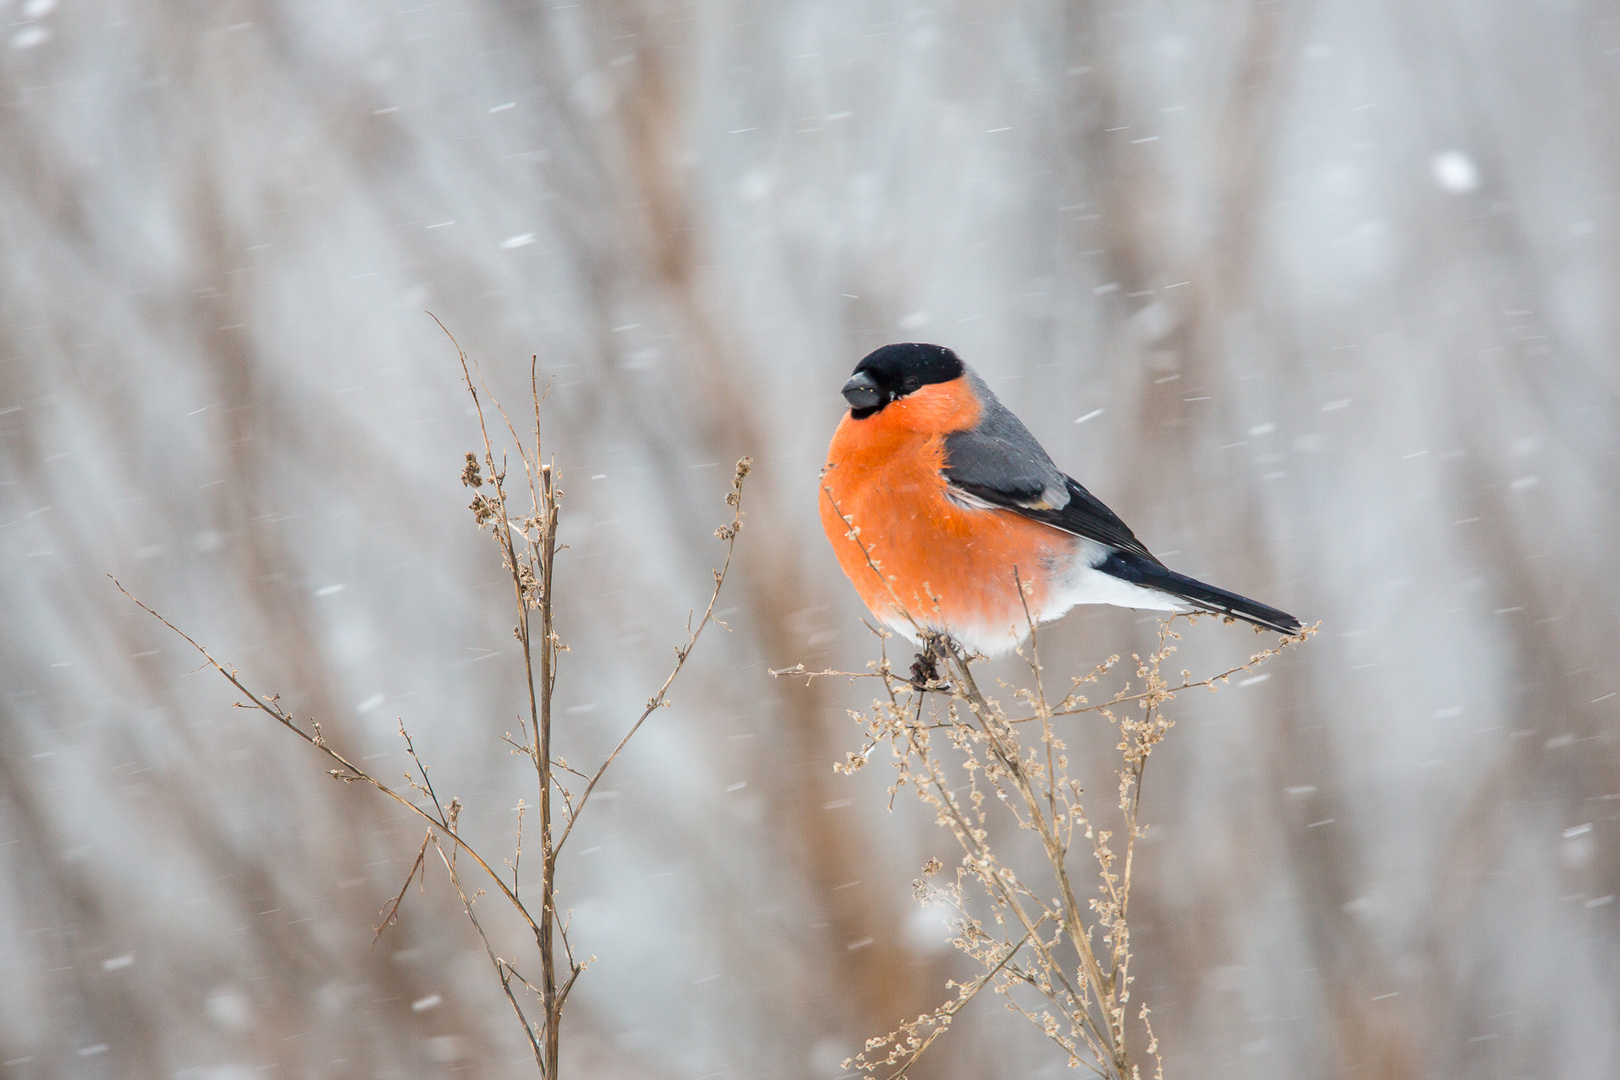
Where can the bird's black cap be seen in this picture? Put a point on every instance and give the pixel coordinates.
(895, 371)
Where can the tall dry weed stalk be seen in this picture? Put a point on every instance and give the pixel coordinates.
(1058, 951)
(528, 548)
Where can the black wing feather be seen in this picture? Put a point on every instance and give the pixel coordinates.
(1084, 514)
(1202, 596)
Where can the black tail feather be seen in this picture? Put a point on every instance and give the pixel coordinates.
(1139, 571)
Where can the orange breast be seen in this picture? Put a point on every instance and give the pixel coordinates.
(948, 566)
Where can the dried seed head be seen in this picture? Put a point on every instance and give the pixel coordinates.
(533, 591)
(485, 509)
(471, 475)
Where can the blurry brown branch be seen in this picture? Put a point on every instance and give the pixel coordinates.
(528, 547)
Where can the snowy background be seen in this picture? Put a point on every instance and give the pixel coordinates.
(1330, 284)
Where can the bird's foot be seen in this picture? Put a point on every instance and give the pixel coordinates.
(925, 668)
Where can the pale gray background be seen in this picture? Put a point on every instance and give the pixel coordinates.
(1339, 275)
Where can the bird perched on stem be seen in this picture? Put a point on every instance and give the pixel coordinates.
(942, 507)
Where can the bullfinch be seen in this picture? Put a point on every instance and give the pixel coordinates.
(940, 504)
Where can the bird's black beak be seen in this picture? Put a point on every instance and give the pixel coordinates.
(862, 392)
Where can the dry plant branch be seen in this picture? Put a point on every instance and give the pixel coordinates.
(528, 547)
(1059, 953)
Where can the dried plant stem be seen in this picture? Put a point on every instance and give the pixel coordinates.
(348, 771)
(552, 1004)
(661, 698)
(1005, 748)
(528, 548)
(503, 970)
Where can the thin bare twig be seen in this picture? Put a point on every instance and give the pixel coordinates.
(728, 533)
(501, 967)
(391, 912)
(349, 772)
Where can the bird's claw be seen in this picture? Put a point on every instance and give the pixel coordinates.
(924, 671)
(925, 668)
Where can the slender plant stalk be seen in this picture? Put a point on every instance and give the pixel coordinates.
(548, 855)
(528, 548)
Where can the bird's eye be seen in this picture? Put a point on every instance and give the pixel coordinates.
(912, 383)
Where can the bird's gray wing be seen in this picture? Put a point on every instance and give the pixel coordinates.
(999, 463)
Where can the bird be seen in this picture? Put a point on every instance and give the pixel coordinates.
(942, 507)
